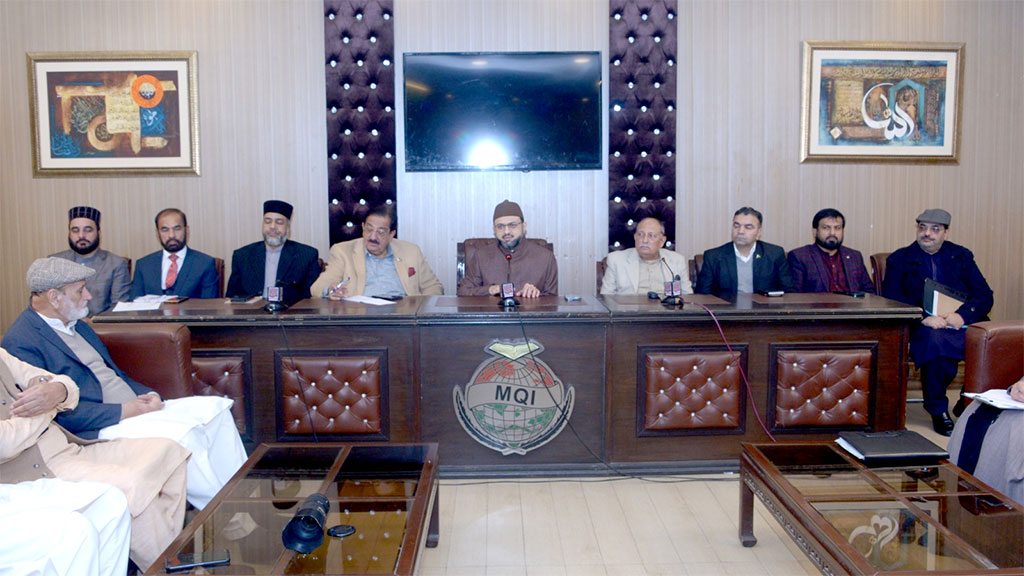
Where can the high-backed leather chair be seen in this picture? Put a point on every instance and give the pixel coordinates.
(878, 269)
(601, 265)
(994, 355)
(158, 355)
(464, 252)
(218, 263)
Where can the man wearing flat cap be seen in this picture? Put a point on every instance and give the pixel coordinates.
(177, 269)
(937, 343)
(111, 282)
(48, 334)
(531, 268)
(377, 264)
(277, 261)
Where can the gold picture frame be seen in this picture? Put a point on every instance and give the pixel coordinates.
(114, 113)
(881, 102)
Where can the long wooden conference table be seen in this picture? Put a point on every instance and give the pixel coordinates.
(596, 385)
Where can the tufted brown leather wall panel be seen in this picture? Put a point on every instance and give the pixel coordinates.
(359, 58)
(690, 389)
(344, 393)
(642, 117)
(818, 387)
(224, 374)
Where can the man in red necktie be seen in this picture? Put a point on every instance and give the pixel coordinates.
(176, 269)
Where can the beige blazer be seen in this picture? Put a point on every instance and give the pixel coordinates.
(348, 260)
(622, 271)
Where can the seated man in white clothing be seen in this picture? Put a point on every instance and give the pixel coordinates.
(49, 335)
(646, 267)
(88, 521)
(989, 443)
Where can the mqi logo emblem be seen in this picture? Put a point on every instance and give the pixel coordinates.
(514, 402)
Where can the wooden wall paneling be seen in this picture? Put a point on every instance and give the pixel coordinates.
(261, 130)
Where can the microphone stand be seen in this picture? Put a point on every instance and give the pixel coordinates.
(671, 297)
(508, 298)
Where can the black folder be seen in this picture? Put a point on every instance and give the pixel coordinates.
(891, 448)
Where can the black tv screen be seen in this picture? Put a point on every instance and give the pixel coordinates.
(503, 111)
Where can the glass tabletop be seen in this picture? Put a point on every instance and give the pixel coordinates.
(900, 518)
(374, 489)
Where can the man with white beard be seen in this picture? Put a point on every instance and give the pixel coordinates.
(274, 262)
(113, 405)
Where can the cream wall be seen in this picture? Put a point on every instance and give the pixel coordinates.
(262, 130)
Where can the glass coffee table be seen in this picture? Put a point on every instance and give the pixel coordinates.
(387, 492)
(851, 519)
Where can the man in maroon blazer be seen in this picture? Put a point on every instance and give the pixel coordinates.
(827, 265)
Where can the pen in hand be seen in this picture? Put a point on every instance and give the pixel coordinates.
(338, 287)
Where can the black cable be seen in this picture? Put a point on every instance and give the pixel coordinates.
(298, 380)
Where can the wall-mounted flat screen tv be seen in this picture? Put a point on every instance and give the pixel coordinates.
(503, 111)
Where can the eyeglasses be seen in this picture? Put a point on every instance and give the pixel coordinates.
(371, 231)
(647, 235)
(933, 228)
(503, 227)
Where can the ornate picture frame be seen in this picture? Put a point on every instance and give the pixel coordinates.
(881, 102)
(114, 113)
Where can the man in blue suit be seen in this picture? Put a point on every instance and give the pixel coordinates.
(276, 261)
(176, 269)
(827, 265)
(49, 335)
(744, 265)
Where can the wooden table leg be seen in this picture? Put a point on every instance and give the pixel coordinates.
(746, 515)
(434, 532)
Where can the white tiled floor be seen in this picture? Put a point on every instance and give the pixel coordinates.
(613, 527)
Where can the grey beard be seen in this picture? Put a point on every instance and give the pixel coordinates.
(274, 241)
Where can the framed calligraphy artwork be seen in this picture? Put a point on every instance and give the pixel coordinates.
(114, 113)
(881, 102)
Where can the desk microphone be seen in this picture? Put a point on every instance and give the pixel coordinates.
(508, 289)
(673, 288)
(275, 299)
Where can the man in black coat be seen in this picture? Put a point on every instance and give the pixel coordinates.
(276, 261)
(937, 343)
(745, 264)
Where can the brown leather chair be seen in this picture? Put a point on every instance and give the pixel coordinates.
(158, 355)
(601, 265)
(698, 263)
(878, 269)
(994, 355)
(218, 263)
(464, 252)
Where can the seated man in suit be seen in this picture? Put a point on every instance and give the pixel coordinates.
(744, 265)
(90, 520)
(376, 264)
(646, 267)
(531, 269)
(176, 269)
(937, 344)
(110, 284)
(276, 261)
(989, 443)
(827, 265)
(49, 335)
(150, 472)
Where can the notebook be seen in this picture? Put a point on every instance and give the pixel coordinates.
(940, 300)
(891, 448)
